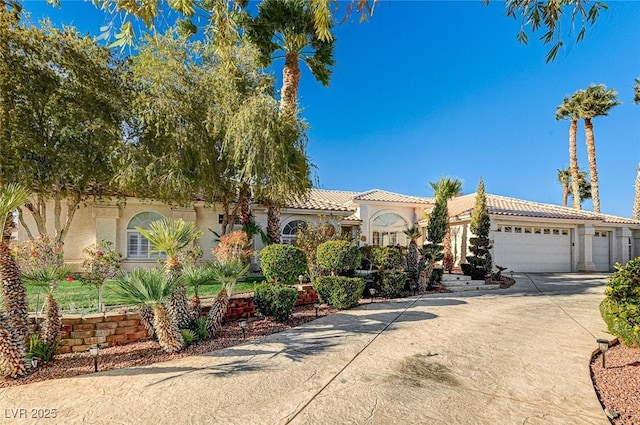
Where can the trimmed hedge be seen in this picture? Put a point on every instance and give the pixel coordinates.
(621, 307)
(387, 258)
(338, 256)
(275, 300)
(282, 263)
(339, 291)
(392, 283)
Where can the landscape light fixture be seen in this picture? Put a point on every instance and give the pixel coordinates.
(372, 291)
(93, 350)
(301, 279)
(316, 305)
(34, 362)
(414, 287)
(603, 344)
(243, 326)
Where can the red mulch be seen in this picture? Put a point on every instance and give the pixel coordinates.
(618, 384)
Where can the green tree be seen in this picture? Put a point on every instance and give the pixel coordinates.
(636, 91)
(570, 109)
(433, 251)
(228, 274)
(413, 252)
(152, 287)
(596, 101)
(61, 94)
(480, 260)
(584, 187)
(445, 189)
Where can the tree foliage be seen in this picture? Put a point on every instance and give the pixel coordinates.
(480, 260)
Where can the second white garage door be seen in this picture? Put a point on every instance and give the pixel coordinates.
(601, 243)
(532, 249)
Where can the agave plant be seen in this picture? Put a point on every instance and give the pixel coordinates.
(152, 288)
(49, 278)
(171, 237)
(227, 274)
(195, 277)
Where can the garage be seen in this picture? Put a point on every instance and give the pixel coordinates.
(601, 250)
(532, 248)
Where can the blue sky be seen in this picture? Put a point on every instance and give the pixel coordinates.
(428, 89)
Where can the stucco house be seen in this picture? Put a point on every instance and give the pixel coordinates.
(527, 236)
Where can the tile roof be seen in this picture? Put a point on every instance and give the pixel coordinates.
(385, 196)
(502, 205)
(321, 199)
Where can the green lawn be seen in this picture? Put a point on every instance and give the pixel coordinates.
(75, 297)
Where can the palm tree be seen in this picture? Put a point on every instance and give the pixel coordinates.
(445, 189)
(227, 274)
(287, 26)
(597, 101)
(413, 252)
(49, 278)
(172, 237)
(153, 288)
(196, 277)
(12, 350)
(636, 199)
(584, 187)
(570, 109)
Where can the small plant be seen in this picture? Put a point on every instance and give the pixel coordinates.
(339, 291)
(275, 300)
(233, 246)
(282, 263)
(392, 283)
(338, 257)
(199, 327)
(40, 349)
(448, 261)
(101, 263)
(188, 335)
(36, 254)
(621, 307)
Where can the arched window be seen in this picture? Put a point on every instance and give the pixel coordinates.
(138, 245)
(290, 231)
(388, 229)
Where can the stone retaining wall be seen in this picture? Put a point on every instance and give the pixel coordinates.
(78, 332)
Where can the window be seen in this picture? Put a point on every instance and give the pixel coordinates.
(221, 219)
(537, 230)
(517, 230)
(564, 232)
(290, 231)
(388, 229)
(527, 229)
(556, 231)
(499, 229)
(507, 229)
(137, 245)
(546, 231)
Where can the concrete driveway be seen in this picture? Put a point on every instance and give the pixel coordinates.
(514, 356)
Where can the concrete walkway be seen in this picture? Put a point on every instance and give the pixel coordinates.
(515, 356)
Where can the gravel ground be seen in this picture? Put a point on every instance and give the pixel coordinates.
(618, 385)
(148, 352)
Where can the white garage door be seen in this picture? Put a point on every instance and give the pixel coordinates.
(532, 249)
(601, 242)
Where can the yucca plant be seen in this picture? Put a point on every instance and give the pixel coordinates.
(171, 237)
(152, 288)
(195, 277)
(413, 252)
(227, 274)
(48, 278)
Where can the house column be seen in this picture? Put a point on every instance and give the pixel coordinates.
(365, 227)
(106, 221)
(621, 245)
(585, 253)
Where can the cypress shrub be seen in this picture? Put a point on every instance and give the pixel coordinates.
(338, 257)
(392, 283)
(275, 300)
(339, 291)
(282, 263)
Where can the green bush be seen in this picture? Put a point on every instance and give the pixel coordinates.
(282, 263)
(621, 307)
(339, 291)
(387, 258)
(338, 256)
(392, 283)
(275, 300)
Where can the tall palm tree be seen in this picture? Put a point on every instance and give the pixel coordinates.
(287, 26)
(584, 187)
(413, 252)
(570, 109)
(445, 189)
(636, 199)
(227, 274)
(597, 101)
(172, 237)
(49, 278)
(153, 288)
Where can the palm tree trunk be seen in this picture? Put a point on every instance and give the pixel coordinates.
(273, 224)
(216, 314)
(147, 319)
(636, 199)
(245, 208)
(565, 195)
(14, 293)
(12, 350)
(178, 304)
(573, 165)
(51, 327)
(169, 336)
(290, 82)
(593, 168)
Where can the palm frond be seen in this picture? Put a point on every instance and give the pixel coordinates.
(170, 236)
(144, 286)
(48, 277)
(229, 273)
(197, 276)
(12, 196)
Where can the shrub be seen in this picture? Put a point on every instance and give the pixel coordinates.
(275, 300)
(40, 349)
(621, 307)
(339, 291)
(338, 256)
(310, 236)
(282, 263)
(392, 283)
(387, 258)
(36, 254)
(233, 246)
